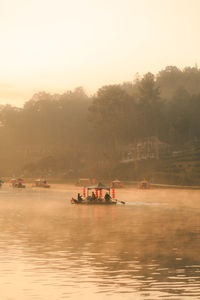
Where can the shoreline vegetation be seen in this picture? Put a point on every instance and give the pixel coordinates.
(125, 184)
(146, 128)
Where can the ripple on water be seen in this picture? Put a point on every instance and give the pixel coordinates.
(50, 251)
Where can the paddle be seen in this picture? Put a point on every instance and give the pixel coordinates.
(120, 201)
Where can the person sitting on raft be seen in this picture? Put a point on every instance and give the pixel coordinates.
(107, 197)
(93, 198)
(19, 184)
(80, 199)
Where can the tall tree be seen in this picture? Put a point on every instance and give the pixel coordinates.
(149, 107)
(109, 112)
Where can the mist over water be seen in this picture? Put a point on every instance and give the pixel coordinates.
(146, 249)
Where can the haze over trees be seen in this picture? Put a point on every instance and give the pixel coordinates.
(74, 134)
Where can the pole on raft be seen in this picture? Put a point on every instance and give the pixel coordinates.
(84, 194)
(113, 193)
(96, 192)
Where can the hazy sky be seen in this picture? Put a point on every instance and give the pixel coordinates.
(57, 45)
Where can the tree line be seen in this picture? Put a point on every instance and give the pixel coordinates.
(74, 132)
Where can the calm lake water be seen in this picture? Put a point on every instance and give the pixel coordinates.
(52, 250)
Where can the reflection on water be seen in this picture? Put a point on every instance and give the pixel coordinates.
(50, 249)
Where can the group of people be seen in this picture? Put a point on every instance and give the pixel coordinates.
(107, 197)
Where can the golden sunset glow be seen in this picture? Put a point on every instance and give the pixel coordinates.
(59, 45)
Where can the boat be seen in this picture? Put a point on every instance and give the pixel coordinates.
(96, 195)
(1, 182)
(17, 183)
(116, 184)
(144, 184)
(75, 201)
(83, 181)
(41, 183)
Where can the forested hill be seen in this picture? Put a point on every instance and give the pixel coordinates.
(75, 134)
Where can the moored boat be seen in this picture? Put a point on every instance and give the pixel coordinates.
(116, 184)
(83, 181)
(41, 183)
(17, 183)
(144, 185)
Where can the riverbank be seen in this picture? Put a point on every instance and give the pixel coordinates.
(166, 186)
(125, 183)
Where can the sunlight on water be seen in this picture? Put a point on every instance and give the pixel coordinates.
(147, 249)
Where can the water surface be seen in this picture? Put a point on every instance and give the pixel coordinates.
(147, 249)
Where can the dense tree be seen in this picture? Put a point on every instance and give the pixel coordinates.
(109, 112)
(72, 132)
(172, 78)
(149, 107)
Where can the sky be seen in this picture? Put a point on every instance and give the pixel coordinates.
(58, 45)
